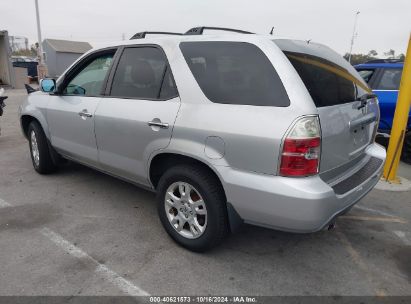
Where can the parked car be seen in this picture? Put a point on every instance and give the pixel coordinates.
(225, 128)
(384, 76)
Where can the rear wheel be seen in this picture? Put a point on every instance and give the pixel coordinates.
(39, 149)
(192, 207)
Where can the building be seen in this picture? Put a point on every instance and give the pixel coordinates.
(6, 68)
(18, 43)
(60, 54)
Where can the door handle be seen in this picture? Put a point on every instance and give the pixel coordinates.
(159, 124)
(360, 122)
(85, 114)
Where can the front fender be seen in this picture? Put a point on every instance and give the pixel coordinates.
(36, 106)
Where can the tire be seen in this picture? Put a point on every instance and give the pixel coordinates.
(39, 149)
(406, 149)
(212, 227)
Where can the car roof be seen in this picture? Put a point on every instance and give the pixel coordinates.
(385, 65)
(175, 39)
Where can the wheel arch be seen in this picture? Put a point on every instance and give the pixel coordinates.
(161, 162)
(26, 119)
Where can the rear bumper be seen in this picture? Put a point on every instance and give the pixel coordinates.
(296, 204)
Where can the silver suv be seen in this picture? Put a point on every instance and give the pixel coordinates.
(227, 128)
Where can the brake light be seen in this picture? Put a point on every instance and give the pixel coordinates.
(301, 151)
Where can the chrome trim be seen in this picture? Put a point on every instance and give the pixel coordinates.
(158, 124)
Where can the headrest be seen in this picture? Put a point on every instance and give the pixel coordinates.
(142, 73)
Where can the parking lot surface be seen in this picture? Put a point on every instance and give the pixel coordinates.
(81, 232)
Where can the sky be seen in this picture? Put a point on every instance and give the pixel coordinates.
(382, 25)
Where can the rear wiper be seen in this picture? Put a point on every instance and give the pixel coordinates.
(364, 98)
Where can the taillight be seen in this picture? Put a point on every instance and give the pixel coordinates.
(300, 155)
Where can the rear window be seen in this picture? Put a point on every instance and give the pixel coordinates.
(234, 73)
(328, 83)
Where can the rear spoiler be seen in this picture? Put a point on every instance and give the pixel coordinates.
(30, 89)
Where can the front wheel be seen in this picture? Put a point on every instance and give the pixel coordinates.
(39, 149)
(192, 207)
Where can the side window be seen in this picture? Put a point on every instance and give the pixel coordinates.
(390, 79)
(143, 73)
(89, 81)
(367, 74)
(235, 73)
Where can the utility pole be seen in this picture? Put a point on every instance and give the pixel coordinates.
(42, 67)
(354, 34)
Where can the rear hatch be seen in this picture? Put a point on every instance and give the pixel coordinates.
(347, 124)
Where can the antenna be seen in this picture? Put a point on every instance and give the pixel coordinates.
(272, 30)
(354, 35)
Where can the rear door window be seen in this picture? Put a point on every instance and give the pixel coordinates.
(143, 73)
(328, 83)
(234, 73)
(390, 79)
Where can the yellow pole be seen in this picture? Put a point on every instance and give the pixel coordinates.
(399, 124)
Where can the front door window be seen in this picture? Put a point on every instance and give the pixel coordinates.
(89, 81)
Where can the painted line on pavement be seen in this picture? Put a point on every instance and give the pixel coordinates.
(4, 204)
(103, 271)
(403, 237)
(374, 219)
(373, 210)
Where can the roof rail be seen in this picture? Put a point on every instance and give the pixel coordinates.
(389, 60)
(199, 30)
(142, 35)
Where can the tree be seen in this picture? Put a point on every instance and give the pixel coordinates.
(372, 53)
(361, 58)
(390, 53)
(32, 52)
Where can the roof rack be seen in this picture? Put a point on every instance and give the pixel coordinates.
(389, 60)
(142, 35)
(199, 30)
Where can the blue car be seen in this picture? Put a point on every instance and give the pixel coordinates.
(384, 76)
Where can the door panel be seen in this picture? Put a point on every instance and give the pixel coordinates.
(71, 133)
(70, 113)
(124, 138)
(344, 137)
(139, 115)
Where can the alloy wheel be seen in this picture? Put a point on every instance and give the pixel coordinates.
(185, 210)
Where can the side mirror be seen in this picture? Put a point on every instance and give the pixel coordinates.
(48, 85)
